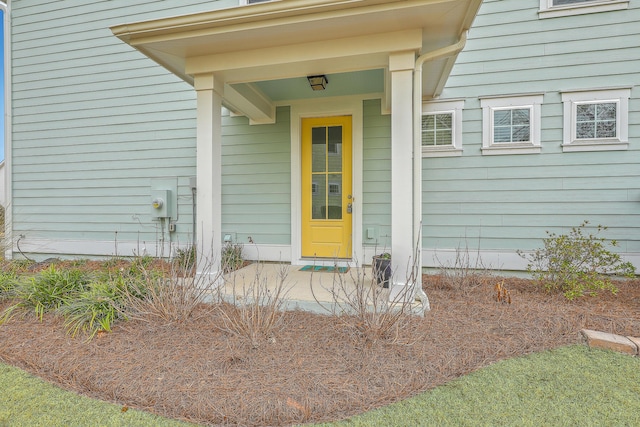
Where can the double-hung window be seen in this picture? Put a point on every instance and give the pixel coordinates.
(442, 128)
(511, 124)
(596, 120)
(553, 8)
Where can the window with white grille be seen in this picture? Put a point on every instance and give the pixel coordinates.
(511, 124)
(596, 120)
(441, 130)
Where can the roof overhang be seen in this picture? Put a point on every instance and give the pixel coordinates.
(292, 38)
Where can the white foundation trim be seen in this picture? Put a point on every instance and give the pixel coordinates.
(92, 248)
(270, 253)
(431, 258)
(489, 259)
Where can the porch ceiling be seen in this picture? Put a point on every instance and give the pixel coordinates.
(340, 84)
(292, 38)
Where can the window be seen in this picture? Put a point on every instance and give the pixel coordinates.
(335, 188)
(554, 8)
(596, 120)
(442, 128)
(437, 129)
(511, 125)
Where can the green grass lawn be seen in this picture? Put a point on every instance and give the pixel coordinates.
(570, 386)
(26, 400)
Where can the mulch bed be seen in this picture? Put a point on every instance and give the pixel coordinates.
(314, 369)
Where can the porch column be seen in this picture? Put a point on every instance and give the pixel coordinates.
(209, 175)
(401, 67)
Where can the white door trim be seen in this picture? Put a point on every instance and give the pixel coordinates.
(338, 106)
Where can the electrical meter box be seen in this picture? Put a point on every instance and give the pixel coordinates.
(161, 204)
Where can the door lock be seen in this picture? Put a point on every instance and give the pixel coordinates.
(349, 208)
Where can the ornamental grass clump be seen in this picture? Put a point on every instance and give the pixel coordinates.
(577, 263)
(8, 283)
(95, 308)
(89, 303)
(46, 292)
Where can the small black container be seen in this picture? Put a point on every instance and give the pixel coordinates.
(382, 269)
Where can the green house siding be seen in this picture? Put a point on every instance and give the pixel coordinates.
(510, 50)
(508, 202)
(256, 180)
(96, 123)
(376, 205)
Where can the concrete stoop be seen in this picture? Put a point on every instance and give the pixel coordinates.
(619, 343)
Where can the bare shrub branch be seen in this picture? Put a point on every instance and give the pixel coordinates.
(172, 295)
(369, 310)
(463, 274)
(255, 308)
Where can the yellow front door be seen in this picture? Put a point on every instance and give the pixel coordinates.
(327, 201)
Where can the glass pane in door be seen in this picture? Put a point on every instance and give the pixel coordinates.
(326, 176)
(318, 197)
(334, 196)
(319, 149)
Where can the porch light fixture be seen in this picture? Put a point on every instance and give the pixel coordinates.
(318, 82)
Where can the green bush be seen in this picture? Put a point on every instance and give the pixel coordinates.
(185, 259)
(577, 263)
(232, 258)
(140, 265)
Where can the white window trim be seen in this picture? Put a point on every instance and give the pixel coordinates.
(548, 10)
(245, 2)
(571, 99)
(454, 107)
(490, 104)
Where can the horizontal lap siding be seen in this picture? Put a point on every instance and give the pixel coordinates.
(256, 182)
(376, 203)
(508, 202)
(96, 122)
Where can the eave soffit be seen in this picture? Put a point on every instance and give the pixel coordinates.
(255, 42)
